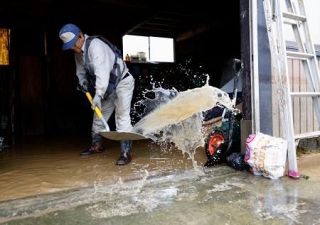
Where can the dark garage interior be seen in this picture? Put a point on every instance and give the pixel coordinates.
(38, 87)
(45, 122)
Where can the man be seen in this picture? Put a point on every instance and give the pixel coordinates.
(99, 66)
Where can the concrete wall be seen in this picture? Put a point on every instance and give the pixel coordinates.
(312, 9)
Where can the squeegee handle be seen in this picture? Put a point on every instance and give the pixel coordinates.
(97, 110)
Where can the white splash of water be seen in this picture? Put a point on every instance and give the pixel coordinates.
(182, 107)
(186, 135)
(178, 119)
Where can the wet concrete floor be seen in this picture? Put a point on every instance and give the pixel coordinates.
(47, 182)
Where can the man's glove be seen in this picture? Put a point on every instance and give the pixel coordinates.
(96, 102)
(84, 86)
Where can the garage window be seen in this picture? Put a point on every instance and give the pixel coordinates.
(147, 49)
(4, 46)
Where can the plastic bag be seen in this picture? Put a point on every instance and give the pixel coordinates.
(266, 155)
(236, 161)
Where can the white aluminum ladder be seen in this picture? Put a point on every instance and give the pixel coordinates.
(306, 53)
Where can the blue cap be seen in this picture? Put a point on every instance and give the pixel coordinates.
(69, 35)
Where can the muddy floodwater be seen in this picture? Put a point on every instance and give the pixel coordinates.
(46, 181)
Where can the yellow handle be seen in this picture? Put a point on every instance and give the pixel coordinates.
(97, 110)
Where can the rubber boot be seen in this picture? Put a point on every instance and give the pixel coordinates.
(94, 148)
(125, 155)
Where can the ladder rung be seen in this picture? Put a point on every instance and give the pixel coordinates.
(290, 22)
(293, 16)
(305, 94)
(299, 55)
(307, 135)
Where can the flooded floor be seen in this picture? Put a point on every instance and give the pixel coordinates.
(38, 166)
(48, 182)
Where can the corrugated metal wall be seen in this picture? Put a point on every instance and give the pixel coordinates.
(303, 113)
